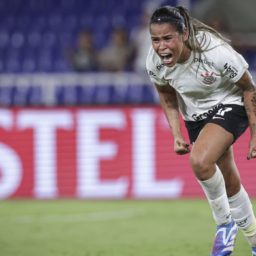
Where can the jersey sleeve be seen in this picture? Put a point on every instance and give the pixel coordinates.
(151, 66)
(231, 64)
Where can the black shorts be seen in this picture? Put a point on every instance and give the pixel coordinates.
(232, 118)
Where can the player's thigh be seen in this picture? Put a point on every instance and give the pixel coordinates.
(211, 144)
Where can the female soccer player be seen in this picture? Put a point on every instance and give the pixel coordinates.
(198, 74)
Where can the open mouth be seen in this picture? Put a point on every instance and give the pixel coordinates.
(166, 58)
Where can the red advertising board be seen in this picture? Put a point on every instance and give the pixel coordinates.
(98, 153)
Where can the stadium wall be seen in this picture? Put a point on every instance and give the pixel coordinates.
(122, 152)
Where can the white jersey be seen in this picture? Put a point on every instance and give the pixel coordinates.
(203, 82)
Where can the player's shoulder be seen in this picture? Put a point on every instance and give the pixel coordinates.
(209, 41)
(215, 47)
(222, 51)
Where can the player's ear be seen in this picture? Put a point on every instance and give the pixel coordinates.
(185, 35)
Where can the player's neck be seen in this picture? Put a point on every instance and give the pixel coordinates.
(186, 52)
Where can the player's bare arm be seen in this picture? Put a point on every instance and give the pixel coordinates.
(247, 84)
(168, 100)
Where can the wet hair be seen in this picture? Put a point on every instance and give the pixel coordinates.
(180, 18)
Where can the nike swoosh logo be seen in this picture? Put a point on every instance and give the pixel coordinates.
(218, 117)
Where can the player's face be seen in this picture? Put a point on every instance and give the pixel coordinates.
(169, 44)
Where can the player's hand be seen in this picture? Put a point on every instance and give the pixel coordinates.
(252, 149)
(181, 147)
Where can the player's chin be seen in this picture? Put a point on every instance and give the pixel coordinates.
(169, 65)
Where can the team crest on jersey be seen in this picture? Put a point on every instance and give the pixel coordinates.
(209, 78)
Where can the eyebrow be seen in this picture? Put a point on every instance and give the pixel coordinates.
(167, 35)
